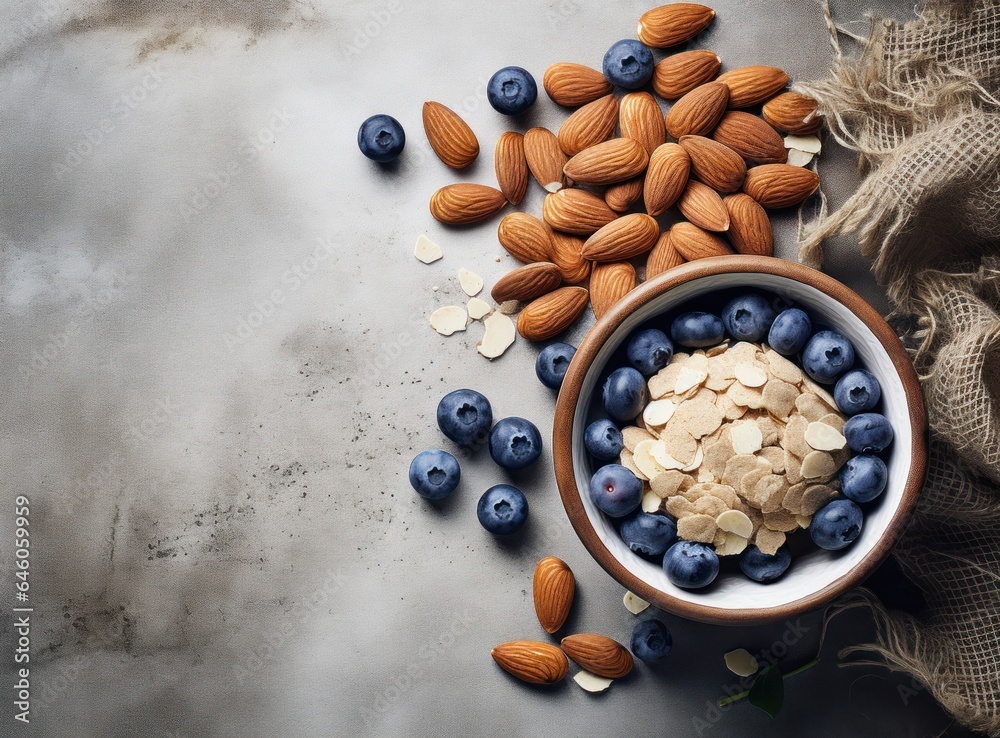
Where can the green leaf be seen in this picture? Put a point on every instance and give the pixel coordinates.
(768, 690)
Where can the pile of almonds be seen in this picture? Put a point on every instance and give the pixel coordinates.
(720, 166)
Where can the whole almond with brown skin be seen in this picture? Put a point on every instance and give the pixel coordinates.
(609, 283)
(751, 138)
(451, 138)
(641, 119)
(780, 185)
(574, 84)
(598, 654)
(608, 162)
(553, 588)
(666, 177)
(749, 227)
(623, 238)
(511, 166)
(698, 112)
(678, 74)
(576, 211)
(753, 85)
(715, 164)
(663, 257)
(551, 314)
(692, 242)
(793, 113)
(525, 237)
(545, 159)
(567, 254)
(620, 197)
(702, 205)
(673, 24)
(532, 661)
(466, 202)
(527, 282)
(589, 125)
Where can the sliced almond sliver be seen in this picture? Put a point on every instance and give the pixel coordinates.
(750, 374)
(658, 412)
(818, 464)
(634, 603)
(734, 521)
(746, 438)
(472, 284)
(499, 335)
(645, 461)
(823, 437)
(688, 378)
(591, 682)
(633, 436)
(449, 319)
(730, 545)
(659, 454)
(628, 462)
(426, 250)
(651, 502)
(741, 662)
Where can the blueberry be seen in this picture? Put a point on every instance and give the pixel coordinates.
(615, 490)
(697, 330)
(381, 138)
(748, 317)
(649, 351)
(762, 567)
(552, 363)
(651, 641)
(512, 90)
(857, 391)
(863, 478)
(465, 416)
(691, 565)
(628, 64)
(647, 534)
(502, 509)
(625, 394)
(789, 331)
(836, 525)
(868, 433)
(515, 443)
(434, 474)
(603, 440)
(826, 356)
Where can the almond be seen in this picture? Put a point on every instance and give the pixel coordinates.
(751, 138)
(450, 136)
(609, 162)
(678, 74)
(525, 237)
(663, 257)
(623, 238)
(780, 185)
(609, 283)
(574, 84)
(641, 119)
(673, 24)
(511, 166)
(567, 255)
(749, 227)
(576, 211)
(589, 125)
(551, 314)
(666, 177)
(545, 159)
(702, 205)
(553, 588)
(715, 164)
(620, 197)
(527, 282)
(793, 113)
(466, 203)
(598, 654)
(698, 112)
(750, 86)
(692, 242)
(532, 661)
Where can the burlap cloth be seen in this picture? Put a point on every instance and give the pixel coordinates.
(919, 103)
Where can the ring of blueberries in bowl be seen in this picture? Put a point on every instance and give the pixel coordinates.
(736, 439)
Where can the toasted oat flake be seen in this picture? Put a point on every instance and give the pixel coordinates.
(811, 407)
(697, 527)
(669, 482)
(745, 396)
(769, 541)
(781, 368)
(778, 397)
(633, 436)
(698, 417)
(739, 465)
(709, 504)
(815, 497)
(679, 506)
(780, 520)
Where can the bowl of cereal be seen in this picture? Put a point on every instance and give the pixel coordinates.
(741, 439)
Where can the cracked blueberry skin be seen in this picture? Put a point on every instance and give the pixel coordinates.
(381, 138)
(691, 565)
(502, 509)
(651, 641)
(863, 478)
(868, 433)
(603, 440)
(515, 443)
(858, 391)
(789, 331)
(649, 350)
(697, 330)
(762, 567)
(826, 356)
(748, 317)
(624, 394)
(836, 525)
(512, 90)
(628, 64)
(615, 490)
(465, 416)
(552, 363)
(648, 534)
(434, 474)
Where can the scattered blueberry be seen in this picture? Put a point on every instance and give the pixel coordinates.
(628, 64)
(836, 525)
(625, 394)
(552, 363)
(868, 433)
(858, 391)
(465, 416)
(697, 330)
(748, 317)
(826, 356)
(434, 474)
(649, 351)
(502, 509)
(789, 331)
(603, 440)
(647, 534)
(651, 641)
(515, 443)
(381, 138)
(615, 490)
(691, 565)
(512, 90)
(762, 567)
(863, 478)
